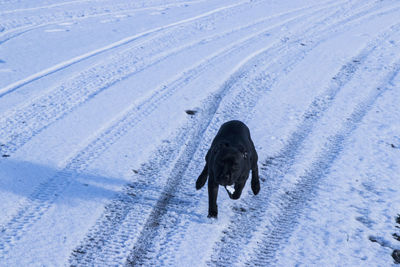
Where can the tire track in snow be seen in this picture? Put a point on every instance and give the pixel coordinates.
(31, 119)
(62, 65)
(99, 245)
(16, 32)
(44, 196)
(42, 7)
(172, 4)
(34, 117)
(100, 237)
(120, 216)
(241, 230)
(292, 203)
(151, 230)
(14, 28)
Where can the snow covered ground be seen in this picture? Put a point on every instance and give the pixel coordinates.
(100, 154)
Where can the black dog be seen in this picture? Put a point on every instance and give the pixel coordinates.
(228, 162)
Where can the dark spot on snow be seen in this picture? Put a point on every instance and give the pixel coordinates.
(131, 194)
(79, 251)
(239, 209)
(381, 241)
(5, 156)
(135, 171)
(398, 219)
(2, 61)
(302, 44)
(86, 184)
(190, 112)
(268, 161)
(396, 256)
(356, 61)
(373, 239)
(396, 236)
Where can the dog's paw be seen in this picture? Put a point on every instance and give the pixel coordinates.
(255, 186)
(213, 214)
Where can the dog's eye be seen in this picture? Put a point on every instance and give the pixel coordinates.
(245, 155)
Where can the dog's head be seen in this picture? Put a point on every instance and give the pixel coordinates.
(229, 163)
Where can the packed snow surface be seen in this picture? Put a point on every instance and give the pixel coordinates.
(108, 107)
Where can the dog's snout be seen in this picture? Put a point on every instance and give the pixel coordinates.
(229, 180)
(225, 179)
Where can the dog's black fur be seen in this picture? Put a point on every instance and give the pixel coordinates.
(228, 162)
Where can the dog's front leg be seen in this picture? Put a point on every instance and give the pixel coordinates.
(212, 198)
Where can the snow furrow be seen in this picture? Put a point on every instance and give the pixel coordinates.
(109, 107)
(62, 65)
(32, 118)
(100, 243)
(242, 96)
(277, 167)
(172, 223)
(12, 33)
(292, 203)
(164, 5)
(45, 194)
(14, 27)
